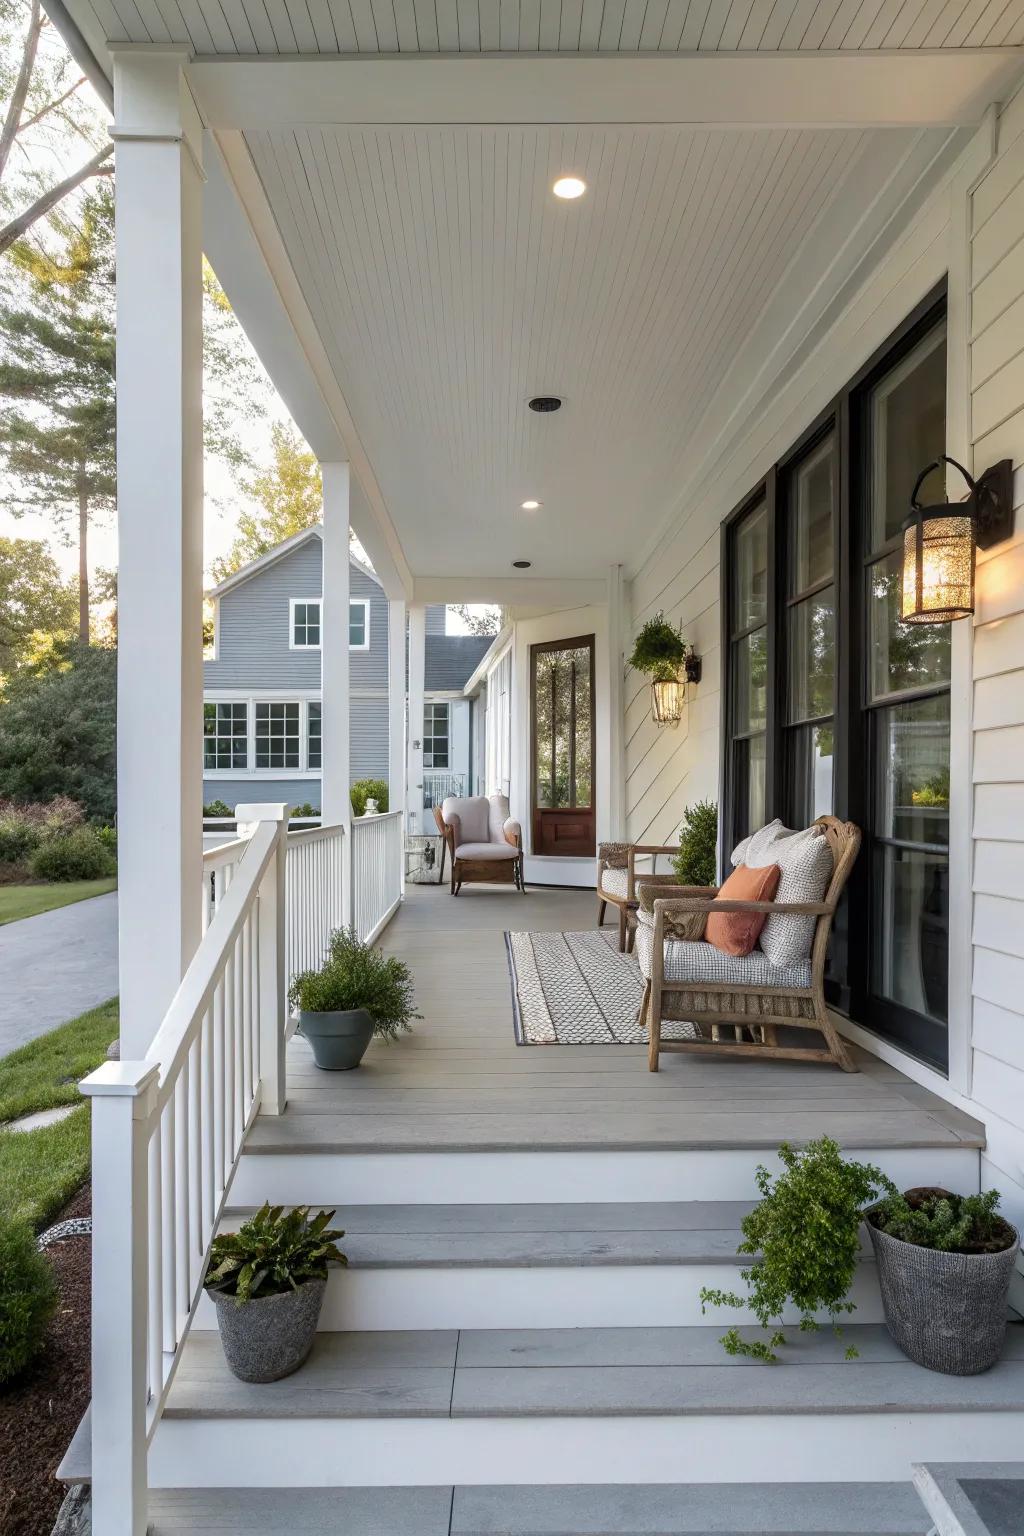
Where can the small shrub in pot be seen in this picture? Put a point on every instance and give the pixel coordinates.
(944, 1268)
(358, 992)
(267, 1281)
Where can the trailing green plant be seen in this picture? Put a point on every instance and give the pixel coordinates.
(28, 1297)
(696, 863)
(804, 1234)
(80, 854)
(368, 789)
(355, 975)
(218, 808)
(272, 1253)
(936, 1218)
(659, 649)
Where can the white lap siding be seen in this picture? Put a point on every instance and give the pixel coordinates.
(997, 416)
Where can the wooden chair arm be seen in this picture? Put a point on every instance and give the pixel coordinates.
(649, 888)
(704, 904)
(645, 850)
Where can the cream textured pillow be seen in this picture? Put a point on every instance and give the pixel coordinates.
(805, 860)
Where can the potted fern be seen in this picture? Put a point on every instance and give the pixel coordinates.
(944, 1267)
(267, 1282)
(358, 992)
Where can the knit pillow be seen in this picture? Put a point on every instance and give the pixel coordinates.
(805, 860)
(736, 933)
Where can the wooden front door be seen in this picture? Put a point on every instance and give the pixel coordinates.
(562, 746)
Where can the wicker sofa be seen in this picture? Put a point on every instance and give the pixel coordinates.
(738, 1004)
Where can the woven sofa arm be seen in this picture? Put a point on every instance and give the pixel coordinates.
(612, 855)
(652, 888)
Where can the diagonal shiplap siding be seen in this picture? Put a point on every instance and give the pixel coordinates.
(565, 26)
(997, 409)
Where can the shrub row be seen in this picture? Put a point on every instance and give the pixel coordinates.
(53, 841)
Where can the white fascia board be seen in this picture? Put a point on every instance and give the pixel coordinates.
(810, 89)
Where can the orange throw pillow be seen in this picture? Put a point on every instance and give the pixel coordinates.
(736, 933)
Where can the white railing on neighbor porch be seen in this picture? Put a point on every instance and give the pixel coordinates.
(315, 893)
(167, 1132)
(377, 871)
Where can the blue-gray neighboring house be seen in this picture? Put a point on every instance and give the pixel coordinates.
(261, 686)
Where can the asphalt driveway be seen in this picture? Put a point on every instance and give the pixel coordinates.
(55, 966)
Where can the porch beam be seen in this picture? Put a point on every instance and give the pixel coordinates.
(539, 592)
(811, 89)
(417, 664)
(335, 805)
(160, 534)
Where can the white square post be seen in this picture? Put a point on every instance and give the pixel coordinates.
(160, 533)
(396, 704)
(335, 805)
(617, 616)
(417, 664)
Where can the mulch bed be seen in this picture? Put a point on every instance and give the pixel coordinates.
(40, 1411)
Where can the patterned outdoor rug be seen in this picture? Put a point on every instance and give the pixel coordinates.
(577, 989)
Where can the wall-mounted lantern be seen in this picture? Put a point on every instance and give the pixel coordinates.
(669, 693)
(939, 542)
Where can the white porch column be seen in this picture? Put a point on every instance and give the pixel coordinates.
(160, 533)
(335, 805)
(417, 660)
(396, 704)
(617, 615)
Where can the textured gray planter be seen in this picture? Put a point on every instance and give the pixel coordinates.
(270, 1337)
(339, 1040)
(946, 1311)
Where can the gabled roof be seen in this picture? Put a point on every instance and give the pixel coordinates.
(286, 547)
(450, 659)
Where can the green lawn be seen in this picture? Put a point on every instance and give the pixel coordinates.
(40, 1170)
(17, 901)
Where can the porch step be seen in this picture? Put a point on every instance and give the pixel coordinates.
(590, 1265)
(619, 1405)
(666, 1509)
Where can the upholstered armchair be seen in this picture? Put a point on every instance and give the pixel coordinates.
(484, 843)
(618, 878)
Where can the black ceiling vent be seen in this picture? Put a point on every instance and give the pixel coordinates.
(522, 565)
(545, 404)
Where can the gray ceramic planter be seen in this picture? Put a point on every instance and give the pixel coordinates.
(270, 1337)
(339, 1040)
(946, 1311)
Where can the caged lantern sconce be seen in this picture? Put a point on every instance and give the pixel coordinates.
(669, 693)
(939, 543)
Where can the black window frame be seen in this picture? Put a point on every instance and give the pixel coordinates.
(848, 985)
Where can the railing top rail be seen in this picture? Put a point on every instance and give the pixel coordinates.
(224, 853)
(314, 834)
(194, 995)
(364, 821)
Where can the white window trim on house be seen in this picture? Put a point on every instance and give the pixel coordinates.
(250, 698)
(306, 602)
(364, 603)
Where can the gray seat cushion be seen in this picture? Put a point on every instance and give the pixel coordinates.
(486, 851)
(702, 963)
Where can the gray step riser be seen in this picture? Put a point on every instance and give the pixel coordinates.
(501, 1177)
(588, 1296)
(706, 1448)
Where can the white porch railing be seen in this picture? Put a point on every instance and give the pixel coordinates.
(377, 871)
(314, 881)
(219, 865)
(167, 1133)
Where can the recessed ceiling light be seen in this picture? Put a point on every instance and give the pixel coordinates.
(569, 187)
(544, 404)
(522, 565)
(531, 506)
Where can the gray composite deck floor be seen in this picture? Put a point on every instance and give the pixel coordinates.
(460, 1081)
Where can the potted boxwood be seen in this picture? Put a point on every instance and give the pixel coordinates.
(944, 1268)
(267, 1281)
(358, 992)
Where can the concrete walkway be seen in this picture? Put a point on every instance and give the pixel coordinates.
(55, 966)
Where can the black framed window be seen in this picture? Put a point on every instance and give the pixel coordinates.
(830, 703)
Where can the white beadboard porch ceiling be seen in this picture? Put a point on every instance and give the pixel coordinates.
(211, 27)
(448, 285)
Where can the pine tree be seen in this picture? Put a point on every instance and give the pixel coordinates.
(57, 442)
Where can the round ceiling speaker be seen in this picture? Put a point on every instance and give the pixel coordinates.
(545, 404)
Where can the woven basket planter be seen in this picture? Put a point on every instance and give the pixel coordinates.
(946, 1311)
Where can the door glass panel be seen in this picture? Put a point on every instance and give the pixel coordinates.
(910, 929)
(562, 729)
(902, 656)
(750, 690)
(810, 521)
(907, 424)
(811, 646)
(750, 581)
(911, 791)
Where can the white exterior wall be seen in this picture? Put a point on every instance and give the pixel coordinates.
(997, 430)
